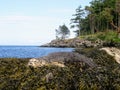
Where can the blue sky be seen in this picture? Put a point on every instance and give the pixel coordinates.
(33, 22)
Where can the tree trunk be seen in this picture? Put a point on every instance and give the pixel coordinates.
(119, 20)
(92, 23)
(116, 27)
(96, 30)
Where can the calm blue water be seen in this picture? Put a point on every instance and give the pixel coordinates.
(28, 51)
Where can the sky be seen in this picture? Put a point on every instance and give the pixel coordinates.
(33, 22)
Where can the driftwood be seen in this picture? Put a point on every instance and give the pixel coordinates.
(116, 27)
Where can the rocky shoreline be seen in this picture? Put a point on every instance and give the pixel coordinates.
(75, 42)
(81, 43)
(91, 66)
(60, 58)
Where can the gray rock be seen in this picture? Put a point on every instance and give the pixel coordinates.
(60, 59)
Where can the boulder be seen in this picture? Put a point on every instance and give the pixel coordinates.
(60, 59)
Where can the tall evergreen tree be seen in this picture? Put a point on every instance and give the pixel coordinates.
(77, 19)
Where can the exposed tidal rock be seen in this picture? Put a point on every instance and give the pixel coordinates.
(37, 63)
(60, 59)
(113, 52)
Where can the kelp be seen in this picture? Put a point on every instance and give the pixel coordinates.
(16, 75)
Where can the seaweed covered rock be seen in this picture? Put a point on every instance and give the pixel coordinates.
(16, 75)
(100, 57)
(76, 75)
(106, 76)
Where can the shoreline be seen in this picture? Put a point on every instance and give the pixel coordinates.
(74, 43)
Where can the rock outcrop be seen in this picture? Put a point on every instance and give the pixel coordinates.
(76, 42)
(113, 52)
(60, 59)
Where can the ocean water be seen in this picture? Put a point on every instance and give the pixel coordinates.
(29, 51)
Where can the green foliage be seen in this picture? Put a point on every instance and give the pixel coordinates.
(106, 15)
(108, 36)
(98, 17)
